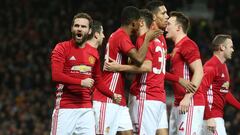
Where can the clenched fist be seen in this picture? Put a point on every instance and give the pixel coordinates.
(117, 98)
(88, 82)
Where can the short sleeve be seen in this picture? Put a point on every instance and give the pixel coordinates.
(190, 52)
(126, 45)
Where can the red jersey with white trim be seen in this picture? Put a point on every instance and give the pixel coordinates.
(70, 65)
(215, 84)
(118, 46)
(150, 86)
(184, 53)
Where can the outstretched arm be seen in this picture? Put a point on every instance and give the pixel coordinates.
(232, 100)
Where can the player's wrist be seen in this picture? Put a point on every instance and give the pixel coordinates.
(189, 95)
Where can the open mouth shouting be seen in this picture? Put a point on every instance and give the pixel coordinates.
(78, 36)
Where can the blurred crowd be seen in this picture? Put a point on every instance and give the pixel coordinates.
(30, 29)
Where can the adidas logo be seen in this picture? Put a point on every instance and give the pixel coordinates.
(222, 75)
(72, 58)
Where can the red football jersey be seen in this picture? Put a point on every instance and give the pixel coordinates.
(150, 86)
(71, 64)
(118, 46)
(184, 53)
(215, 85)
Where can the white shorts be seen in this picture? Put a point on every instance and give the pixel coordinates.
(220, 128)
(148, 116)
(73, 121)
(111, 118)
(189, 123)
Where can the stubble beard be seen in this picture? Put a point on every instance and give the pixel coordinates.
(79, 42)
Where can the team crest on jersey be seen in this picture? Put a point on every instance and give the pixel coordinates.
(91, 59)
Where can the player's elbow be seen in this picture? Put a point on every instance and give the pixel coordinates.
(146, 69)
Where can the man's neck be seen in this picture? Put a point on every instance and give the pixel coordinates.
(93, 43)
(82, 45)
(179, 37)
(220, 56)
(127, 30)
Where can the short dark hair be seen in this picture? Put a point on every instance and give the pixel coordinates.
(83, 15)
(129, 14)
(96, 27)
(147, 16)
(182, 19)
(153, 6)
(218, 40)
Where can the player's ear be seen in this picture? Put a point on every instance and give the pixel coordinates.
(222, 47)
(154, 17)
(90, 31)
(179, 27)
(96, 35)
(141, 22)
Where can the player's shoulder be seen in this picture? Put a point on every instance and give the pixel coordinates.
(212, 63)
(93, 51)
(64, 44)
(118, 33)
(118, 36)
(189, 42)
(162, 38)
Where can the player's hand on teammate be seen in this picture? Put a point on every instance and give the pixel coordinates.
(184, 104)
(211, 125)
(151, 34)
(88, 82)
(189, 86)
(111, 65)
(117, 98)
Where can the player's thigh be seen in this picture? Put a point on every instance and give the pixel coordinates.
(99, 114)
(205, 130)
(86, 123)
(106, 117)
(191, 122)
(124, 120)
(69, 121)
(197, 120)
(163, 122)
(133, 110)
(173, 121)
(132, 105)
(220, 128)
(63, 121)
(163, 119)
(154, 116)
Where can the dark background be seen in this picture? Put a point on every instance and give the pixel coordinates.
(29, 30)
